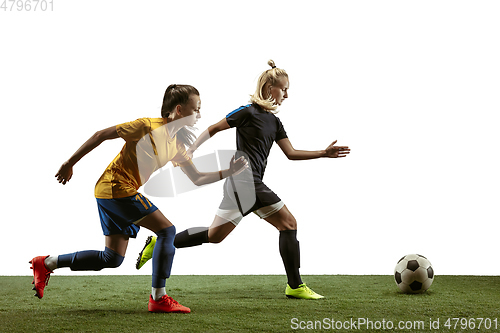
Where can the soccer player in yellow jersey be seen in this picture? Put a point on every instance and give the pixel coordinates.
(149, 144)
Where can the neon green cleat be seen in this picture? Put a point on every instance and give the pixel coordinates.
(302, 291)
(146, 253)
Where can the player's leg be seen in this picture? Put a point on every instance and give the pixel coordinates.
(221, 227)
(163, 256)
(116, 217)
(93, 260)
(90, 260)
(216, 233)
(289, 249)
(226, 219)
(117, 243)
(164, 250)
(286, 224)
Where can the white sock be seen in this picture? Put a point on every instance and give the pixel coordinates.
(51, 262)
(157, 293)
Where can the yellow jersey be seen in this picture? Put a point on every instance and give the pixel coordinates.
(148, 147)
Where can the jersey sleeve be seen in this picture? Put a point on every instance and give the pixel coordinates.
(238, 117)
(181, 158)
(281, 133)
(134, 130)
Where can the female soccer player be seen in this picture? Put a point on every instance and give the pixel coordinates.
(257, 129)
(149, 144)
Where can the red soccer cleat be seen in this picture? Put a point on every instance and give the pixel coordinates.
(41, 275)
(166, 304)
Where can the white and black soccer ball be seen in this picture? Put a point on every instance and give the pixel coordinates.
(413, 274)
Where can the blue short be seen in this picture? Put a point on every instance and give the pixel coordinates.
(119, 215)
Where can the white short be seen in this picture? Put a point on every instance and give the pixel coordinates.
(234, 215)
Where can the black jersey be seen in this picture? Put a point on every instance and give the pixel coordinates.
(256, 131)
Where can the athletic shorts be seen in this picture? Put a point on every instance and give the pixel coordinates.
(236, 204)
(118, 216)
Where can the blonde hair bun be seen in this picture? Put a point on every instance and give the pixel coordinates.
(267, 78)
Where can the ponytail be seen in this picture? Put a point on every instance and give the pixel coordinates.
(174, 95)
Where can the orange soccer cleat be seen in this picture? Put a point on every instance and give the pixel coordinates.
(41, 275)
(166, 304)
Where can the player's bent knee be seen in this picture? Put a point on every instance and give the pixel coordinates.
(116, 262)
(216, 239)
(111, 259)
(218, 233)
(290, 223)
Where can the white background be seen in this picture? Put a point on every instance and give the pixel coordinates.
(411, 87)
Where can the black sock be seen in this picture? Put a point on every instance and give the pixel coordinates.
(290, 253)
(191, 237)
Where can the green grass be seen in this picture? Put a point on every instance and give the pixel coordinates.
(238, 303)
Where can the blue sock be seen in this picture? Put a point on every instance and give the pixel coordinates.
(163, 256)
(90, 260)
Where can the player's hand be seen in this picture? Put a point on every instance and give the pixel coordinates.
(336, 151)
(65, 173)
(236, 167)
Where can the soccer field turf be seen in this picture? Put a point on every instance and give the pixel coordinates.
(253, 303)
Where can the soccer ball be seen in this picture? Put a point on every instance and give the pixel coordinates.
(413, 274)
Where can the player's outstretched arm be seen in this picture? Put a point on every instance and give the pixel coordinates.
(207, 134)
(66, 170)
(331, 151)
(203, 178)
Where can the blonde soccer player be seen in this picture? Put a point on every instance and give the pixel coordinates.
(257, 129)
